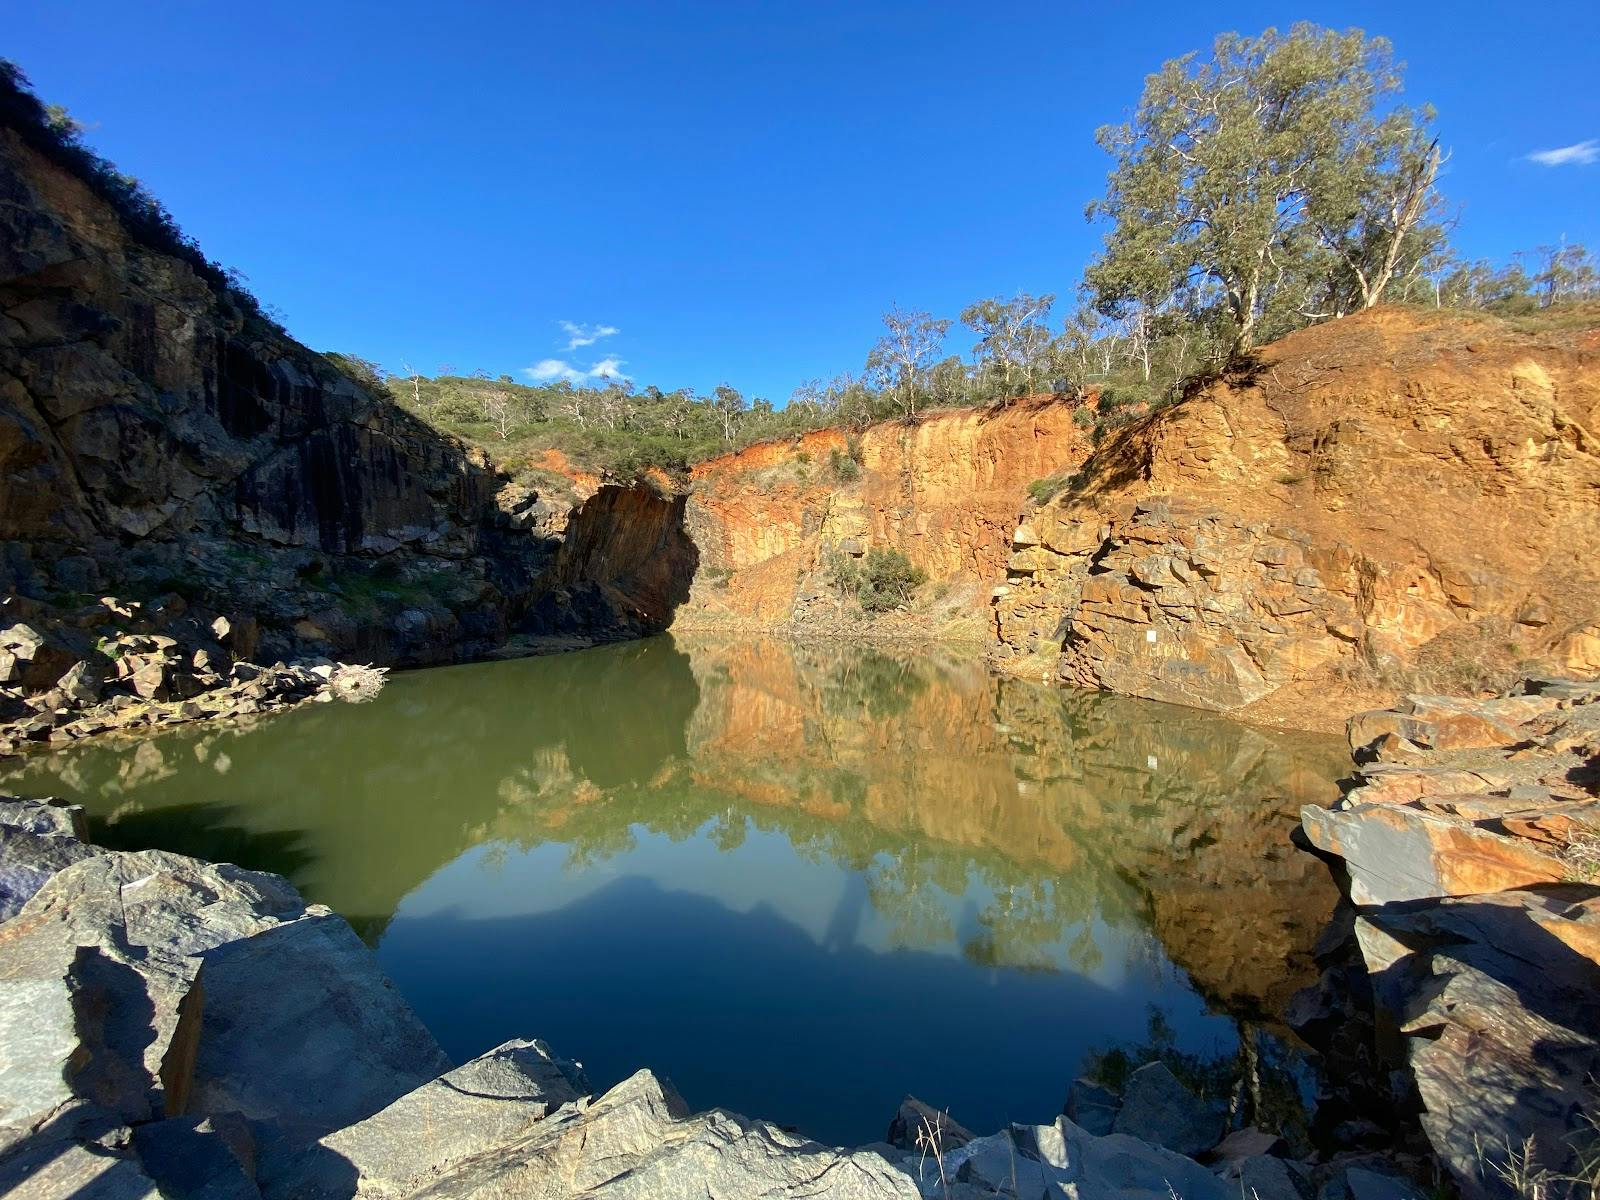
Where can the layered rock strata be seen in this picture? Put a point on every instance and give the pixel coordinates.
(944, 491)
(1470, 841)
(1392, 497)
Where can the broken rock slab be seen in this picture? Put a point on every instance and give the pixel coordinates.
(917, 1126)
(143, 986)
(1397, 852)
(637, 1142)
(38, 839)
(1091, 1106)
(1493, 1003)
(496, 1098)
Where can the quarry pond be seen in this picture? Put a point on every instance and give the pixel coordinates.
(800, 881)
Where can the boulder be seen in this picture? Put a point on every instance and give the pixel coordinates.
(1494, 1004)
(637, 1142)
(82, 682)
(1268, 1177)
(302, 1028)
(147, 985)
(28, 859)
(1157, 1108)
(1066, 1160)
(22, 641)
(40, 660)
(97, 981)
(1244, 1144)
(1446, 723)
(148, 678)
(46, 817)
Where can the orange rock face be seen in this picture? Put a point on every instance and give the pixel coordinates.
(1386, 491)
(945, 491)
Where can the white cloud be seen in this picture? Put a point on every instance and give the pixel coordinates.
(1578, 154)
(547, 369)
(608, 368)
(586, 335)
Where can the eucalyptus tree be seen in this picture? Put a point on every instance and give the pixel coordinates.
(1278, 172)
(728, 407)
(904, 354)
(1013, 336)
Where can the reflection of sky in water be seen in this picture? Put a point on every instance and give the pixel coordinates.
(759, 979)
(831, 905)
(800, 882)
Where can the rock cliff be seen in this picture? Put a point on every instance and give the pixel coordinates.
(944, 491)
(157, 436)
(1391, 498)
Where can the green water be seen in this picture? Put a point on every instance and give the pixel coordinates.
(798, 881)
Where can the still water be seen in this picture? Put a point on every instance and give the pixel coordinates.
(798, 881)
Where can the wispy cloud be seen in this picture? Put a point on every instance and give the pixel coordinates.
(1579, 154)
(586, 335)
(548, 370)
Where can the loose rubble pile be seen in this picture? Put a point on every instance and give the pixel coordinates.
(175, 1028)
(120, 665)
(1469, 838)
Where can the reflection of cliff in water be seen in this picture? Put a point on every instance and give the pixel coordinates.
(1085, 803)
(1072, 813)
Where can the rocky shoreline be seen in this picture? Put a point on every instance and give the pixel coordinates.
(1467, 841)
(118, 666)
(190, 1029)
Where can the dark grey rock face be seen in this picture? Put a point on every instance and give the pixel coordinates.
(153, 433)
(1463, 837)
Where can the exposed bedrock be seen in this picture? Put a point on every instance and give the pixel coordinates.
(1469, 840)
(156, 438)
(944, 491)
(1390, 498)
(624, 563)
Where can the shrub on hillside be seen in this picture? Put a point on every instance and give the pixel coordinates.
(845, 469)
(880, 582)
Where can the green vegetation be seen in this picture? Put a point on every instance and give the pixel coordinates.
(384, 589)
(846, 464)
(1042, 491)
(880, 581)
(1272, 184)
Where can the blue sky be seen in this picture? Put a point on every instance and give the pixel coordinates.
(738, 191)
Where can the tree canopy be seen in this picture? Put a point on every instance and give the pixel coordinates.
(1275, 179)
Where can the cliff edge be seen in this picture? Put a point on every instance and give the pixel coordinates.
(1394, 500)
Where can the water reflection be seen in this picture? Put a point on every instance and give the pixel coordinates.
(800, 880)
